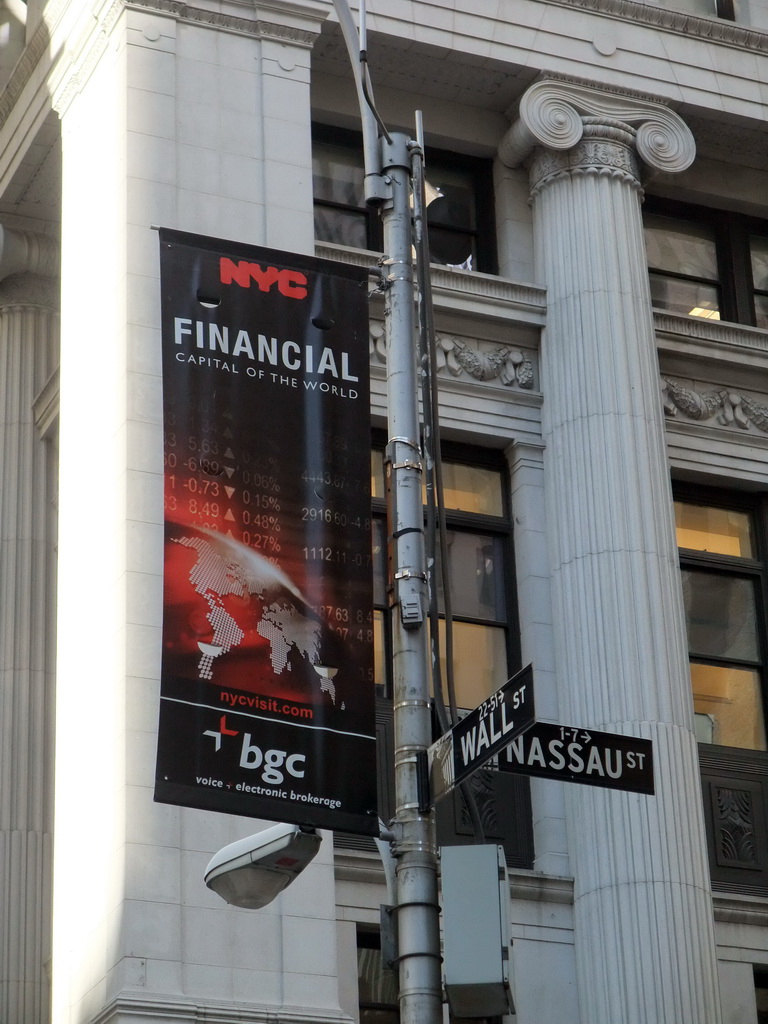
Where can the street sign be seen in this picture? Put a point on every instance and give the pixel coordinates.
(482, 733)
(564, 752)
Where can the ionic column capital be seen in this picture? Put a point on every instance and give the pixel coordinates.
(25, 252)
(29, 267)
(554, 112)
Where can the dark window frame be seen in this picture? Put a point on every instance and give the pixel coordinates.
(754, 569)
(479, 170)
(760, 973)
(735, 780)
(503, 800)
(370, 939)
(472, 523)
(732, 232)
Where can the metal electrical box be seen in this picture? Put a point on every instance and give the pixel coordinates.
(475, 896)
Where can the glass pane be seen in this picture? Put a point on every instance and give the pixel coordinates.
(377, 475)
(761, 310)
(472, 489)
(759, 250)
(344, 227)
(475, 570)
(479, 661)
(761, 996)
(703, 7)
(337, 175)
(719, 530)
(687, 297)
(720, 612)
(454, 206)
(379, 542)
(465, 488)
(375, 984)
(370, 1015)
(728, 707)
(680, 247)
(379, 648)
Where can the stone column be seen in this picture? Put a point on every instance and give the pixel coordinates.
(643, 917)
(28, 358)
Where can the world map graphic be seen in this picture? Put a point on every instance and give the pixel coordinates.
(236, 600)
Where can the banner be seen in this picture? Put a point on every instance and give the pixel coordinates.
(267, 691)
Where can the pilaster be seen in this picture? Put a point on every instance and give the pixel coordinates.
(170, 116)
(643, 917)
(28, 358)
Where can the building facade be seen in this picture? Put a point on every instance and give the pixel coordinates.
(599, 241)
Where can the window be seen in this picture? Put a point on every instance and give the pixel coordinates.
(485, 644)
(707, 263)
(377, 985)
(459, 211)
(761, 994)
(478, 573)
(485, 640)
(723, 586)
(706, 8)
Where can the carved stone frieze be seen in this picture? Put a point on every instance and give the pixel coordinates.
(482, 361)
(727, 407)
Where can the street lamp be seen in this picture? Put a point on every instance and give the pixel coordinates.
(251, 872)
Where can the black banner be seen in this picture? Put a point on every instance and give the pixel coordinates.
(267, 694)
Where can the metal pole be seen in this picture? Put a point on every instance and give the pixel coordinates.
(388, 182)
(414, 846)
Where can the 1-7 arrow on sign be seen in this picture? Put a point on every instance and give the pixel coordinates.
(607, 759)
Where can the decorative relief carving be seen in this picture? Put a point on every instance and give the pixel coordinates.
(735, 827)
(483, 361)
(728, 407)
(481, 786)
(607, 155)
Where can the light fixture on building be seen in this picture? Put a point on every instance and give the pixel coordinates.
(251, 872)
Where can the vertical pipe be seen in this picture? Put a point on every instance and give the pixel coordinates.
(417, 907)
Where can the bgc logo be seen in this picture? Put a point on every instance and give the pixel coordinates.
(274, 764)
(290, 283)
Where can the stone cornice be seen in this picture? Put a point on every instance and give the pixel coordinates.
(740, 910)
(39, 45)
(713, 29)
(256, 27)
(484, 294)
(555, 110)
(358, 866)
(714, 332)
(86, 52)
(125, 1008)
